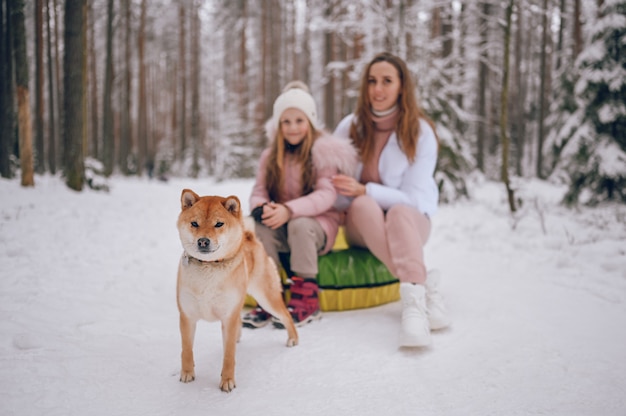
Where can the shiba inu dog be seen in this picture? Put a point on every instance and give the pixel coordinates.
(221, 262)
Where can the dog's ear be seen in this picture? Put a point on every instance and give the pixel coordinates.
(188, 198)
(233, 205)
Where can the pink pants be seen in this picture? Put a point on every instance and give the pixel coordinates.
(396, 237)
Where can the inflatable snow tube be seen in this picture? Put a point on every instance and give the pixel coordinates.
(349, 278)
(353, 279)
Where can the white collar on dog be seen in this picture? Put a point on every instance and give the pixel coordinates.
(187, 258)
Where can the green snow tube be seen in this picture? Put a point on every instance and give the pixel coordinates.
(354, 278)
(350, 278)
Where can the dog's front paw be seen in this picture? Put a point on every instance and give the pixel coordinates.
(292, 342)
(227, 384)
(187, 376)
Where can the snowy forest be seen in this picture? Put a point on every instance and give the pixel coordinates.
(517, 88)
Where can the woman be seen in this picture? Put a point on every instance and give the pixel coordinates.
(394, 193)
(293, 197)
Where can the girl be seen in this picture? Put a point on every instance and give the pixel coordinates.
(295, 194)
(395, 194)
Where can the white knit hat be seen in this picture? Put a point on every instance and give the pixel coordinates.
(296, 95)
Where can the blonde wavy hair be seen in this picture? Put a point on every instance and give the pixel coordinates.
(275, 173)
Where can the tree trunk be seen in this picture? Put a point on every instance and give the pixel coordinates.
(195, 91)
(329, 56)
(182, 74)
(504, 99)
(126, 141)
(518, 98)
(7, 92)
(435, 24)
(159, 96)
(59, 85)
(289, 56)
(39, 103)
(296, 47)
(52, 117)
(23, 94)
(73, 96)
(174, 107)
(578, 33)
(459, 98)
(108, 142)
(482, 89)
(142, 122)
(93, 83)
(542, 89)
(242, 85)
(259, 113)
(85, 80)
(446, 29)
(559, 45)
(275, 80)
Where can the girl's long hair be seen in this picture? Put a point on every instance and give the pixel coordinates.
(408, 126)
(275, 173)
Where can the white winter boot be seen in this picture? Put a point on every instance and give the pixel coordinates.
(437, 311)
(415, 329)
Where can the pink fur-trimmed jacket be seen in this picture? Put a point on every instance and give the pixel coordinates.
(331, 155)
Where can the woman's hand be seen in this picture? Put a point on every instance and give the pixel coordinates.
(348, 186)
(275, 215)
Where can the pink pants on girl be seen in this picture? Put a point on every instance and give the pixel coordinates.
(396, 237)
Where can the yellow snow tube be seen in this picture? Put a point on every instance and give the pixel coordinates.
(349, 278)
(352, 279)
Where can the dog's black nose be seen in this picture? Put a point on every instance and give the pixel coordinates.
(204, 243)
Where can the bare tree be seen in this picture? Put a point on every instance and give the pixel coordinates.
(195, 92)
(23, 93)
(577, 29)
(52, 109)
(108, 144)
(330, 55)
(559, 46)
(518, 94)
(39, 102)
(260, 111)
(59, 85)
(483, 72)
(7, 92)
(275, 82)
(73, 97)
(182, 78)
(93, 84)
(504, 108)
(142, 111)
(542, 89)
(241, 86)
(126, 131)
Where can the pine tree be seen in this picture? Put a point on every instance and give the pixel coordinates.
(595, 158)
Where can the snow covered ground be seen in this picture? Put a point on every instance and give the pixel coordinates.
(89, 326)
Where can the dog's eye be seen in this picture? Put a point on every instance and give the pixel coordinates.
(219, 224)
(194, 224)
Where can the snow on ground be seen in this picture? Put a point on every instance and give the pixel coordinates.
(89, 326)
